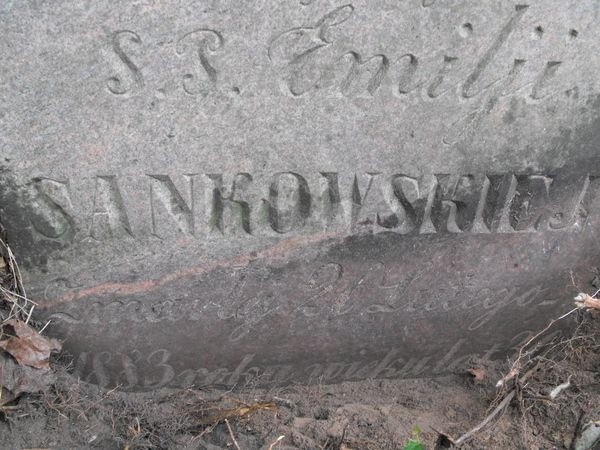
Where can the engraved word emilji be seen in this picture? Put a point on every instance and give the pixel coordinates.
(308, 62)
(242, 204)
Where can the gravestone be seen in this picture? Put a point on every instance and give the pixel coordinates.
(221, 193)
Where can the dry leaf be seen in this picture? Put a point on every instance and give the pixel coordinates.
(479, 373)
(28, 347)
(16, 379)
(6, 396)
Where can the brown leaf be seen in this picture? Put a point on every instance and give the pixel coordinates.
(28, 347)
(479, 373)
(6, 396)
(16, 379)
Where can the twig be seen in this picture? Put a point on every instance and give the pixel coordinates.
(15, 290)
(516, 366)
(469, 434)
(277, 441)
(284, 402)
(6, 291)
(505, 401)
(231, 434)
(241, 411)
(561, 387)
(44, 327)
(577, 429)
(29, 314)
(586, 301)
(205, 431)
(104, 397)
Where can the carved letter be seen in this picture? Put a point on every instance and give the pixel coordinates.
(406, 83)
(417, 201)
(299, 49)
(163, 191)
(540, 85)
(115, 84)
(289, 202)
(488, 56)
(364, 74)
(543, 202)
(50, 209)
(330, 200)
(457, 202)
(208, 42)
(229, 213)
(109, 218)
(434, 90)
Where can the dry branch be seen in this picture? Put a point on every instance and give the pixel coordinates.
(241, 411)
(237, 446)
(503, 404)
(587, 301)
(517, 365)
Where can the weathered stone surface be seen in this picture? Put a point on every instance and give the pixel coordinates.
(225, 192)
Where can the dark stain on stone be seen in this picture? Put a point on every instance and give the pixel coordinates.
(24, 225)
(513, 112)
(580, 143)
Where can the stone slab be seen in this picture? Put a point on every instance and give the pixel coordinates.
(222, 193)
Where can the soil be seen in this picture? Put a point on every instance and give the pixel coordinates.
(372, 414)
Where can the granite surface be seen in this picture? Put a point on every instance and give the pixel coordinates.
(228, 192)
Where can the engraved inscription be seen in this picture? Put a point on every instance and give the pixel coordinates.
(116, 84)
(229, 209)
(249, 205)
(289, 202)
(200, 46)
(306, 60)
(132, 370)
(109, 217)
(156, 369)
(471, 81)
(166, 202)
(51, 208)
(315, 58)
(203, 43)
(331, 291)
(300, 50)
